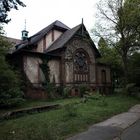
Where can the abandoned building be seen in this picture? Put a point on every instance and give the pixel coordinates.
(71, 56)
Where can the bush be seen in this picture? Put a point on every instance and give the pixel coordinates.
(130, 90)
(10, 83)
(83, 90)
(96, 96)
(59, 90)
(50, 90)
(10, 87)
(66, 92)
(11, 97)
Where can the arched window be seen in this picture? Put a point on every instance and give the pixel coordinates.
(81, 66)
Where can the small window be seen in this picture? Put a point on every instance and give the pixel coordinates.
(103, 74)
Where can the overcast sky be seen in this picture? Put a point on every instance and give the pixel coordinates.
(40, 13)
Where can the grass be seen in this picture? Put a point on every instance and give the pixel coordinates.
(57, 125)
(33, 103)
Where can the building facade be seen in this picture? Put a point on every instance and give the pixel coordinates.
(71, 56)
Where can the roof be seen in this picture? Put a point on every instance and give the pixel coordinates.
(14, 41)
(64, 38)
(39, 35)
(60, 42)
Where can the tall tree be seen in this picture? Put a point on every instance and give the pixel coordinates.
(111, 57)
(119, 24)
(10, 83)
(6, 6)
(134, 69)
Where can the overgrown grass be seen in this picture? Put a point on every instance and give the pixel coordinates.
(57, 124)
(33, 103)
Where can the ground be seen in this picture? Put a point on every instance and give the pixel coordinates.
(63, 123)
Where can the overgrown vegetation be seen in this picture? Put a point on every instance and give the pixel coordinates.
(10, 83)
(83, 90)
(66, 92)
(64, 122)
(118, 23)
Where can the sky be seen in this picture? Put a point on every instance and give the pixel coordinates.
(40, 13)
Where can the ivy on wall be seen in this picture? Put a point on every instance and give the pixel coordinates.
(45, 68)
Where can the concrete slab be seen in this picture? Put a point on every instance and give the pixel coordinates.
(135, 109)
(112, 128)
(122, 120)
(132, 133)
(98, 133)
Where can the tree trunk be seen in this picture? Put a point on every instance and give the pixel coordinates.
(125, 69)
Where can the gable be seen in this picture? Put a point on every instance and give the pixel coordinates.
(47, 40)
(55, 37)
(36, 38)
(78, 31)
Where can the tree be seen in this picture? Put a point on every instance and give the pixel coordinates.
(134, 69)
(119, 24)
(111, 57)
(10, 92)
(6, 6)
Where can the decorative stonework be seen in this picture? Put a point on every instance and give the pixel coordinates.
(80, 62)
(77, 61)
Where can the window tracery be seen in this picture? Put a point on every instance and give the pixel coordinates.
(81, 66)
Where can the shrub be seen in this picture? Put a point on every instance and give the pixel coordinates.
(66, 92)
(96, 96)
(83, 90)
(132, 90)
(59, 90)
(10, 83)
(50, 89)
(11, 97)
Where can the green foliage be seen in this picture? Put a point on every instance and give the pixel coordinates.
(66, 92)
(70, 110)
(59, 91)
(134, 69)
(103, 102)
(6, 6)
(50, 89)
(131, 90)
(111, 57)
(118, 22)
(10, 92)
(51, 125)
(96, 96)
(83, 90)
(48, 86)
(45, 68)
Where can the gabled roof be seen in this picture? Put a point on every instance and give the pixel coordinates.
(60, 42)
(39, 35)
(64, 38)
(57, 24)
